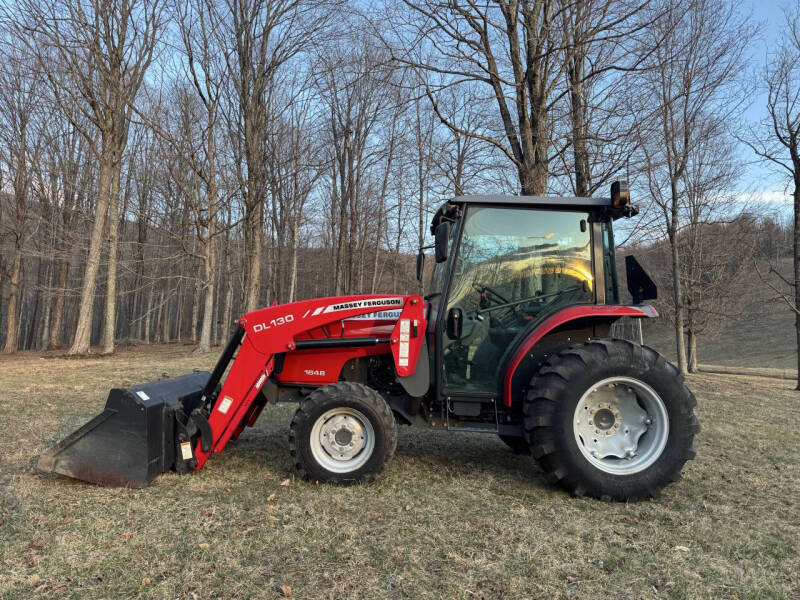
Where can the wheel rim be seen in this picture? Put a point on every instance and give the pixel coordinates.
(621, 425)
(342, 440)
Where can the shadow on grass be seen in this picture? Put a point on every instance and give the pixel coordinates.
(446, 453)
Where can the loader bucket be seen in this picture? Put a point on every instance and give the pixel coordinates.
(133, 439)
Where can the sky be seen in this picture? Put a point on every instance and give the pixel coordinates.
(762, 184)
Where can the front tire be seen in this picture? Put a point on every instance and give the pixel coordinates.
(342, 433)
(610, 419)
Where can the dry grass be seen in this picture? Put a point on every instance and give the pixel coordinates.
(456, 516)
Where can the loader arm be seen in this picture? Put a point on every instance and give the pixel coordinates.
(269, 331)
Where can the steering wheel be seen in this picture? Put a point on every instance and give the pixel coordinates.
(543, 301)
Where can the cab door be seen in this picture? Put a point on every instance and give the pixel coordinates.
(512, 266)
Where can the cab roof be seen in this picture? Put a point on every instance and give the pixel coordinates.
(552, 202)
(559, 201)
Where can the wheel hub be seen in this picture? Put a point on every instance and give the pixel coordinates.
(342, 439)
(343, 436)
(621, 425)
(604, 419)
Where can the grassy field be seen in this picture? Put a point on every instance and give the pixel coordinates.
(455, 516)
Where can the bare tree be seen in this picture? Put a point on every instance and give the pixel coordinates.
(354, 88)
(264, 35)
(688, 92)
(514, 50)
(715, 237)
(778, 142)
(599, 38)
(95, 55)
(464, 162)
(295, 162)
(205, 67)
(20, 139)
(74, 173)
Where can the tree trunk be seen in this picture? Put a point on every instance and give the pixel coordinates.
(209, 266)
(34, 313)
(378, 235)
(533, 171)
(692, 351)
(58, 310)
(179, 304)
(146, 332)
(47, 293)
(228, 303)
(294, 235)
(195, 318)
(577, 114)
(677, 288)
(110, 321)
(253, 241)
(12, 327)
(797, 266)
(164, 315)
(83, 330)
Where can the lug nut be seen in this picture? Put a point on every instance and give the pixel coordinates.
(608, 432)
(616, 425)
(591, 422)
(597, 431)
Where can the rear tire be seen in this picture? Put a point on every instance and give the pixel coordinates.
(610, 419)
(342, 433)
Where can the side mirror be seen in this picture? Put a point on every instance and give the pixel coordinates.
(442, 236)
(640, 285)
(455, 320)
(420, 264)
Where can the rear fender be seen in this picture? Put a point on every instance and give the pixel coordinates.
(584, 320)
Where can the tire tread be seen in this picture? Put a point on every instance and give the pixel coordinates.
(315, 402)
(543, 419)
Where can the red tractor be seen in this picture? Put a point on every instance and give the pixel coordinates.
(513, 339)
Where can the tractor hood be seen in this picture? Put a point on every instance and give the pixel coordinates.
(379, 322)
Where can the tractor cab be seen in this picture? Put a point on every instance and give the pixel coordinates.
(503, 265)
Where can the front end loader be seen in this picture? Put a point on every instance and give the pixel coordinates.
(176, 424)
(513, 340)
